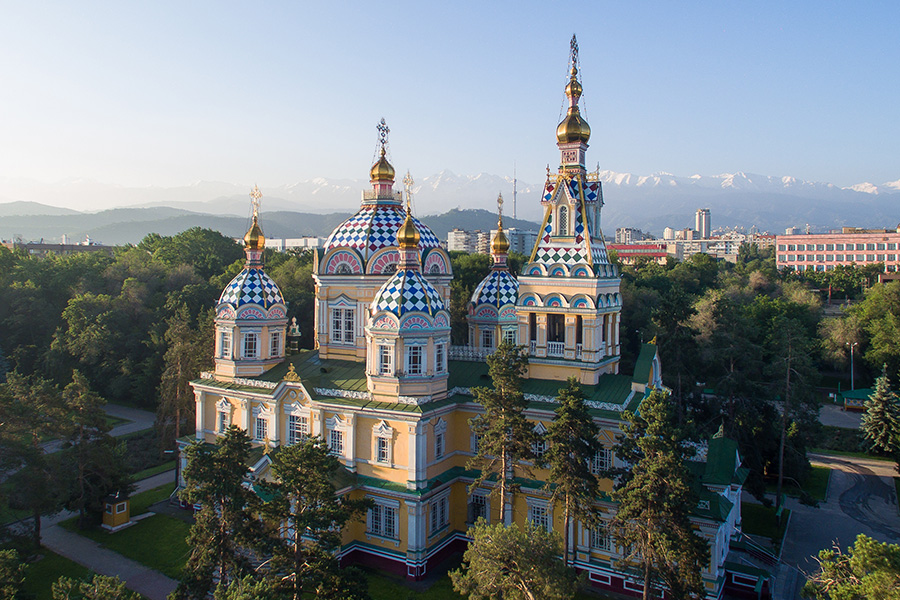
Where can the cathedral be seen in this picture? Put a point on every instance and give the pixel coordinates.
(393, 398)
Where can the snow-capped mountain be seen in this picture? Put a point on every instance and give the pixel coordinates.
(649, 202)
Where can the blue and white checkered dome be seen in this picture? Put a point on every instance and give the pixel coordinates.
(407, 291)
(375, 227)
(251, 286)
(498, 289)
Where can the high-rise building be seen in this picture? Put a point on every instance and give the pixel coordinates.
(702, 223)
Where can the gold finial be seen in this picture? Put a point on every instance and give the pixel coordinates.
(653, 341)
(291, 374)
(266, 446)
(408, 234)
(382, 169)
(573, 128)
(254, 238)
(408, 183)
(500, 244)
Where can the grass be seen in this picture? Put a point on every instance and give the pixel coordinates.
(142, 501)
(7, 514)
(760, 520)
(816, 484)
(41, 575)
(150, 472)
(157, 542)
(851, 454)
(112, 421)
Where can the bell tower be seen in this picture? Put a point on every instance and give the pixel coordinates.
(569, 303)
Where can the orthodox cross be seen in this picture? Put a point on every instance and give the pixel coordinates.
(500, 205)
(573, 45)
(408, 182)
(383, 131)
(255, 197)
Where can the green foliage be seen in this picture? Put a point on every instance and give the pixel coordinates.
(93, 459)
(513, 563)
(306, 518)
(572, 437)
(100, 587)
(247, 588)
(870, 570)
(654, 497)
(874, 323)
(12, 574)
(881, 422)
(225, 525)
(505, 437)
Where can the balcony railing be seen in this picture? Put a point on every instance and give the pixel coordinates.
(470, 353)
(577, 351)
(557, 349)
(533, 347)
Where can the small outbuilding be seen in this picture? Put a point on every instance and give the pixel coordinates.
(116, 511)
(855, 400)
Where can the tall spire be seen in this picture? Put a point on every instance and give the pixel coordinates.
(382, 172)
(408, 235)
(573, 133)
(254, 240)
(500, 244)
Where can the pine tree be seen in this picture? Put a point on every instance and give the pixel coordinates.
(307, 518)
(504, 436)
(225, 527)
(654, 500)
(519, 563)
(881, 423)
(572, 438)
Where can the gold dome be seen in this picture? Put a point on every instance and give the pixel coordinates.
(500, 245)
(382, 170)
(573, 128)
(254, 238)
(408, 234)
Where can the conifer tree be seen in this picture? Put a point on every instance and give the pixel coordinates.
(504, 436)
(572, 438)
(654, 498)
(519, 563)
(881, 422)
(307, 518)
(226, 525)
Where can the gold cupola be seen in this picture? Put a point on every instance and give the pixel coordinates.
(573, 128)
(500, 244)
(382, 169)
(254, 238)
(408, 234)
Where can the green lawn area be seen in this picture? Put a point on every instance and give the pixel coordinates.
(141, 502)
(115, 421)
(166, 466)
(157, 542)
(757, 519)
(816, 484)
(41, 575)
(7, 514)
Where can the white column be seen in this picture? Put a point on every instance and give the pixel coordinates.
(351, 443)
(200, 409)
(248, 416)
(277, 420)
(417, 455)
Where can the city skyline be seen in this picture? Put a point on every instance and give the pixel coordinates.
(166, 94)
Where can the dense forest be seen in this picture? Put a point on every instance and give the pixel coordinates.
(737, 341)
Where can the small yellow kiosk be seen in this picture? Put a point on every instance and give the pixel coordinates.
(116, 511)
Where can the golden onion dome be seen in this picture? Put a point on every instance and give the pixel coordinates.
(254, 238)
(408, 234)
(382, 170)
(573, 128)
(573, 89)
(500, 245)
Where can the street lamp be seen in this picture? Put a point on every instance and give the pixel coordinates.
(852, 346)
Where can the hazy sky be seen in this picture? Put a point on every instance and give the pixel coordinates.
(168, 93)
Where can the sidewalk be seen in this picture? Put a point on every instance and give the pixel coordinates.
(149, 583)
(140, 419)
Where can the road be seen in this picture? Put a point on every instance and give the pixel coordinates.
(861, 498)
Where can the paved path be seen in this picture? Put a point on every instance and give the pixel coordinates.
(143, 580)
(149, 583)
(835, 416)
(861, 498)
(140, 419)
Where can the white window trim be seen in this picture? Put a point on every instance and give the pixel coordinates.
(245, 336)
(382, 503)
(336, 423)
(225, 407)
(224, 334)
(440, 429)
(383, 431)
(486, 494)
(440, 358)
(433, 506)
(262, 411)
(279, 347)
(337, 336)
(391, 353)
(423, 357)
(533, 503)
(541, 430)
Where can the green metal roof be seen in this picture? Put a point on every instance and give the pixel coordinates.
(858, 394)
(644, 363)
(721, 461)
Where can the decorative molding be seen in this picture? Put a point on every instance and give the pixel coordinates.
(266, 385)
(464, 391)
(349, 394)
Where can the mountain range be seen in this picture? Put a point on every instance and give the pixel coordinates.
(315, 206)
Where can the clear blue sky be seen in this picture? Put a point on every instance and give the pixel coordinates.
(167, 93)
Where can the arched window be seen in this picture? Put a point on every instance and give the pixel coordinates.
(563, 226)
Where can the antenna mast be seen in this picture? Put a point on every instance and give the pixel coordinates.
(514, 190)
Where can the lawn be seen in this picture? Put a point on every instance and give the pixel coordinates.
(816, 484)
(157, 542)
(757, 519)
(150, 472)
(41, 575)
(141, 502)
(112, 421)
(7, 514)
